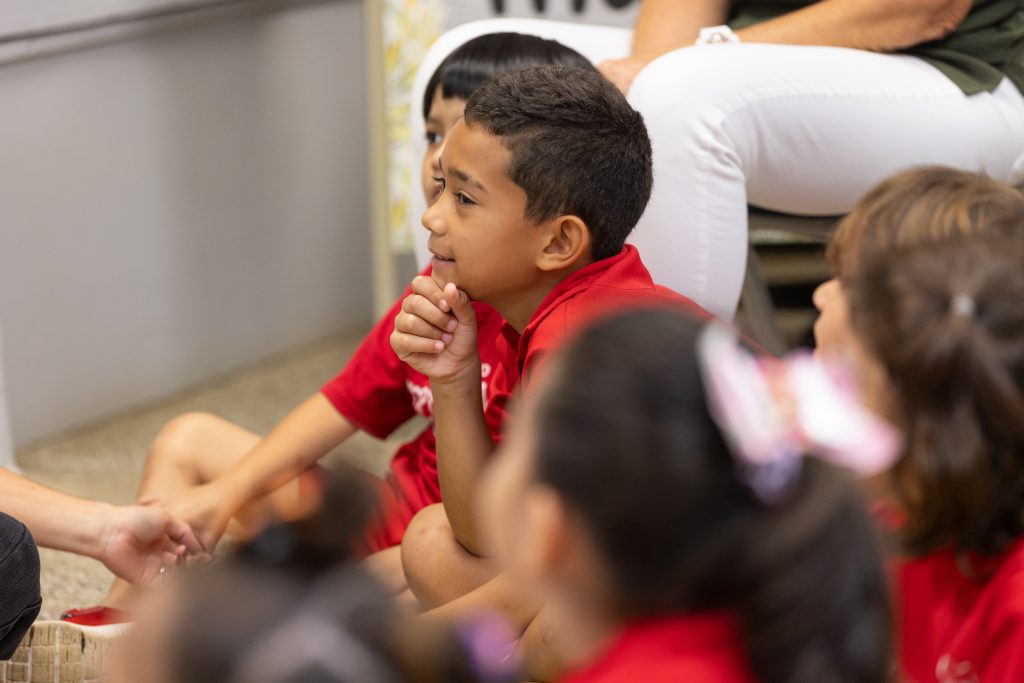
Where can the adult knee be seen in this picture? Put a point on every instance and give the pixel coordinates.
(686, 95)
(20, 597)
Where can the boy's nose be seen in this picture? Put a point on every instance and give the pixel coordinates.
(432, 219)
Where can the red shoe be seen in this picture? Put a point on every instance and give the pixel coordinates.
(98, 615)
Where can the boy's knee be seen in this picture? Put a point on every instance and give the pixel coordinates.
(426, 539)
(20, 597)
(427, 531)
(182, 435)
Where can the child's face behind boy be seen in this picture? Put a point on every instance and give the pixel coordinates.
(444, 113)
(480, 237)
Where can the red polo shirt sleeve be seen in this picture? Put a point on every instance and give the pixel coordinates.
(371, 391)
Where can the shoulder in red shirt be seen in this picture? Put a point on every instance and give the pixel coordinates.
(599, 289)
(704, 648)
(956, 629)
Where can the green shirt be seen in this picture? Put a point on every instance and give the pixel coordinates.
(988, 45)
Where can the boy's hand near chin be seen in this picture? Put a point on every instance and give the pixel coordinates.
(436, 333)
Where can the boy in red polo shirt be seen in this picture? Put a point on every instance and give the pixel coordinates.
(543, 180)
(211, 472)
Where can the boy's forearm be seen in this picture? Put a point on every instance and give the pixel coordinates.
(663, 25)
(304, 436)
(464, 445)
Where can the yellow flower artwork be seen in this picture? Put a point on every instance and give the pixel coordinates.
(410, 28)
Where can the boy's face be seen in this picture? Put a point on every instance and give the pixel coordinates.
(480, 237)
(444, 113)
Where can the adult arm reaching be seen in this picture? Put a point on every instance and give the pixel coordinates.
(133, 541)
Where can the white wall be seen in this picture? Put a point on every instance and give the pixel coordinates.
(177, 206)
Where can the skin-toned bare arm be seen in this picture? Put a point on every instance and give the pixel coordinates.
(132, 541)
(874, 25)
(304, 436)
(663, 25)
(464, 445)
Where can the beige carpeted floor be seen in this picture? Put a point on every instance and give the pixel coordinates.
(104, 462)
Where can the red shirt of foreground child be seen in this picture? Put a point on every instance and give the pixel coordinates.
(704, 647)
(955, 629)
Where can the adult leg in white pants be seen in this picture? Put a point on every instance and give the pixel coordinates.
(803, 130)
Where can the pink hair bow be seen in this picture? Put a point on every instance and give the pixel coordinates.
(774, 412)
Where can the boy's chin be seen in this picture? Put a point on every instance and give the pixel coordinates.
(440, 280)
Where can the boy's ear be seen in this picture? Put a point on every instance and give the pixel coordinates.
(566, 243)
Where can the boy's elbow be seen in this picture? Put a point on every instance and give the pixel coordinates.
(467, 539)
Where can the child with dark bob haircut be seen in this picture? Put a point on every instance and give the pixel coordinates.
(672, 553)
(543, 180)
(943, 323)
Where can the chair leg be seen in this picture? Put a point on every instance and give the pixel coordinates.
(758, 310)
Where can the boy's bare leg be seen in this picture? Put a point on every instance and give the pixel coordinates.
(386, 566)
(543, 647)
(437, 569)
(454, 585)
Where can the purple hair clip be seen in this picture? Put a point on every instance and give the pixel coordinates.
(490, 643)
(774, 412)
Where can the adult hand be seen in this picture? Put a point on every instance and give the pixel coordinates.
(136, 541)
(435, 333)
(623, 71)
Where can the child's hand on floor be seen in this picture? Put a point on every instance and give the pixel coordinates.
(436, 332)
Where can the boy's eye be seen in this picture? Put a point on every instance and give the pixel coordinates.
(433, 138)
(437, 189)
(463, 199)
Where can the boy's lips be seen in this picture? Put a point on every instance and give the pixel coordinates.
(439, 257)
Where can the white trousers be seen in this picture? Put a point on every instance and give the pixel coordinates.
(796, 129)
